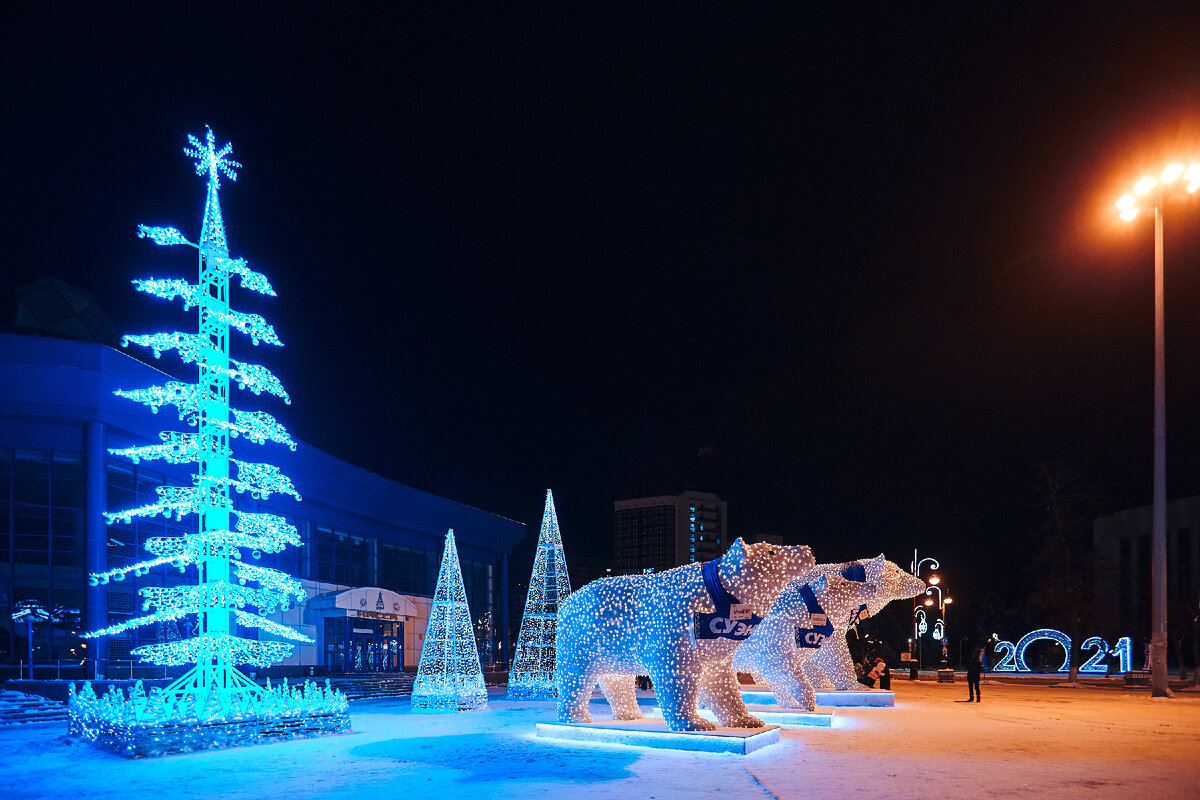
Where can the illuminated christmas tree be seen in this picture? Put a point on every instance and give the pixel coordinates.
(449, 676)
(228, 592)
(533, 675)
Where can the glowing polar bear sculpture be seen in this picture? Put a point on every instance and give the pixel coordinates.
(680, 627)
(831, 667)
(797, 625)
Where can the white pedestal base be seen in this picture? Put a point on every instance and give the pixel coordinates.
(867, 698)
(655, 733)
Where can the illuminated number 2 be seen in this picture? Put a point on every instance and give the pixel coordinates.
(1093, 665)
(1008, 663)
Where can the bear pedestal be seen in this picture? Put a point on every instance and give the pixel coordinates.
(655, 733)
(872, 698)
(774, 715)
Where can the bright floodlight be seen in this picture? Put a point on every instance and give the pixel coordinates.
(1143, 186)
(949, 600)
(928, 601)
(934, 580)
(1171, 172)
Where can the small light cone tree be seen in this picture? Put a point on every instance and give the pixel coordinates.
(449, 675)
(533, 674)
(228, 592)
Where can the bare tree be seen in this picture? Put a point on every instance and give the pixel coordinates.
(1062, 563)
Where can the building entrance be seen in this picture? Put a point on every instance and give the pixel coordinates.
(364, 645)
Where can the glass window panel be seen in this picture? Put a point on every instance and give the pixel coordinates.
(31, 521)
(6, 460)
(120, 474)
(67, 466)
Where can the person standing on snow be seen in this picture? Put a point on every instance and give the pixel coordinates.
(974, 671)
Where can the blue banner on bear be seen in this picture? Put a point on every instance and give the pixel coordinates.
(812, 637)
(720, 626)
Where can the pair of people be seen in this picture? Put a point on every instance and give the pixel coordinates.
(870, 674)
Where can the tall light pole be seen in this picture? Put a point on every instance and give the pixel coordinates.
(1158, 191)
(917, 563)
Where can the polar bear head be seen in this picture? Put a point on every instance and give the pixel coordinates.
(890, 582)
(757, 573)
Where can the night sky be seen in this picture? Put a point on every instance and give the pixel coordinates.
(857, 272)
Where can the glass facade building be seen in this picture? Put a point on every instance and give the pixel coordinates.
(361, 532)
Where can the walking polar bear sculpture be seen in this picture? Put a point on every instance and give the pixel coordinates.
(680, 627)
(831, 667)
(797, 625)
(845, 594)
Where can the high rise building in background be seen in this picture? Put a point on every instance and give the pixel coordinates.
(658, 533)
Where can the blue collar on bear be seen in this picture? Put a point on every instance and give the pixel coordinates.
(811, 638)
(721, 598)
(725, 623)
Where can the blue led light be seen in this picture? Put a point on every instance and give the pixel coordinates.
(227, 593)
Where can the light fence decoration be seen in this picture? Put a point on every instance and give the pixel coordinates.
(228, 593)
(799, 622)
(1013, 656)
(449, 675)
(680, 627)
(832, 667)
(533, 675)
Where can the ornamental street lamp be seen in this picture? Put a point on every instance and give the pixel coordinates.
(917, 563)
(1157, 191)
(945, 673)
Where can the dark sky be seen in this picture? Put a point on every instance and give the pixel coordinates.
(855, 271)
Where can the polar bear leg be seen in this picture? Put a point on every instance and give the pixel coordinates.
(720, 691)
(574, 692)
(786, 679)
(816, 677)
(676, 693)
(621, 695)
(836, 663)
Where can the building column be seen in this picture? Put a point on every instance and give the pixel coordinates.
(504, 643)
(97, 538)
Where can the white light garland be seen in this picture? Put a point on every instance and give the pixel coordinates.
(533, 672)
(616, 628)
(449, 675)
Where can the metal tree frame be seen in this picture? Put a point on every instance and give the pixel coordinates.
(214, 549)
(533, 673)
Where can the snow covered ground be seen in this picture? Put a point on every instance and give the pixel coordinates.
(1021, 741)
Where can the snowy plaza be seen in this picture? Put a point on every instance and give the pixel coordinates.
(1023, 740)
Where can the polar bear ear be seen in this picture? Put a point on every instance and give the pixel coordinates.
(736, 551)
(875, 568)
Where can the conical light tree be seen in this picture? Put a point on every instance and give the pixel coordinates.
(449, 675)
(533, 673)
(228, 592)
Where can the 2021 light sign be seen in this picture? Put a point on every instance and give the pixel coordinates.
(1013, 659)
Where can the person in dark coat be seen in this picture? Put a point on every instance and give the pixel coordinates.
(885, 675)
(974, 671)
